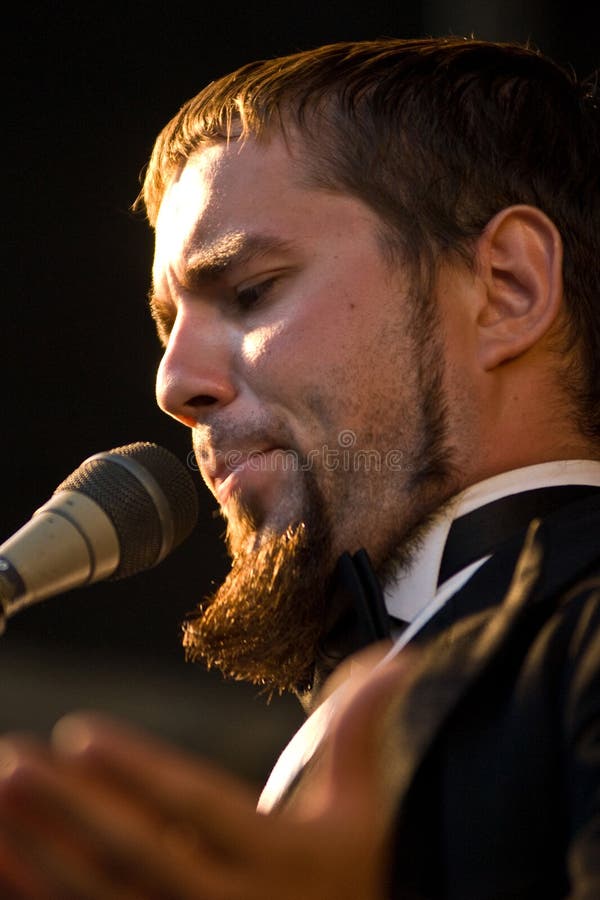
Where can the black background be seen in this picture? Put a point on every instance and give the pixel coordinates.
(87, 88)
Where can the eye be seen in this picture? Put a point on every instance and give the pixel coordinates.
(249, 297)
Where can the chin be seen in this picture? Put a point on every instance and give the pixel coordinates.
(249, 526)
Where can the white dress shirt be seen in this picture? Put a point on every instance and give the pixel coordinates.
(415, 597)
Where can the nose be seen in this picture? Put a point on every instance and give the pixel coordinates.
(195, 373)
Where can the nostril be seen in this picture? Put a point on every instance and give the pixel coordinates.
(202, 400)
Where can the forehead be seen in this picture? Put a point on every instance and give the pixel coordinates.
(228, 189)
(255, 194)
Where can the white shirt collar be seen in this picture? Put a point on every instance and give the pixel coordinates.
(414, 588)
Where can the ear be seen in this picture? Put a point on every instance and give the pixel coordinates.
(519, 258)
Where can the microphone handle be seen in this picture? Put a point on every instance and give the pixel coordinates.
(53, 553)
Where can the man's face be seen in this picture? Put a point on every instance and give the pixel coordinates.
(296, 354)
(291, 345)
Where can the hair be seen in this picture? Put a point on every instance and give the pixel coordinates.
(436, 136)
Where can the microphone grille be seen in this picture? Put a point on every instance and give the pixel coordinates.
(130, 505)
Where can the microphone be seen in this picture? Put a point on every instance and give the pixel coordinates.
(121, 512)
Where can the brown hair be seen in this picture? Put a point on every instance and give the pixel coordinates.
(436, 136)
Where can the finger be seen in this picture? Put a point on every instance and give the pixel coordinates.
(86, 840)
(361, 718)
(255, 855)
(17, 881)
(355, 669)
(182, 788)
(346, 779)
(43, 867)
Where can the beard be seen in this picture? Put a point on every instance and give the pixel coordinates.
(265, 622)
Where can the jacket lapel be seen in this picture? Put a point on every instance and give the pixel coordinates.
(451, 655)
(471, 632)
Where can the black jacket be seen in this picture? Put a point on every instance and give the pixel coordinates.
(494, 754)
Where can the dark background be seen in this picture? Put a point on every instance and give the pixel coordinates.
(87, 88)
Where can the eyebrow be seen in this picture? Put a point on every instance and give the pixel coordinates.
(211, 262)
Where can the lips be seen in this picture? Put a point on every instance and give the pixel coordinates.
(228, 469)
(224, 487)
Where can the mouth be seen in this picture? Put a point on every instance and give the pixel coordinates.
(242, 471)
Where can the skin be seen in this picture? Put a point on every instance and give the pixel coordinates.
(106, 812)
(307, 365)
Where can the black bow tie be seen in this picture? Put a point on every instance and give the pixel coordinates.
(357, 615)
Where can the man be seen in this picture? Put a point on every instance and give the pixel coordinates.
(376, 278)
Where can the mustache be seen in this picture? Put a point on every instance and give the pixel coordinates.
(222, 439)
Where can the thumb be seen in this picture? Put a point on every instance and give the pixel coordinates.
(354, 777)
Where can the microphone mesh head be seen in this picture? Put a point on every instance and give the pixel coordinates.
(130, 506)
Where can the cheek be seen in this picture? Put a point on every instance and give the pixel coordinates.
(325, 350)
(295, 354)
(259, 345)
(274, 361)
(290, 368)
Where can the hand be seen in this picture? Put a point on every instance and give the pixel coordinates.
(108, 813)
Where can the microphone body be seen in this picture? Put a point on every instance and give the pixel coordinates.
(119, 513)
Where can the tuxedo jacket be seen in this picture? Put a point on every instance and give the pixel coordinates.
(492, 756)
